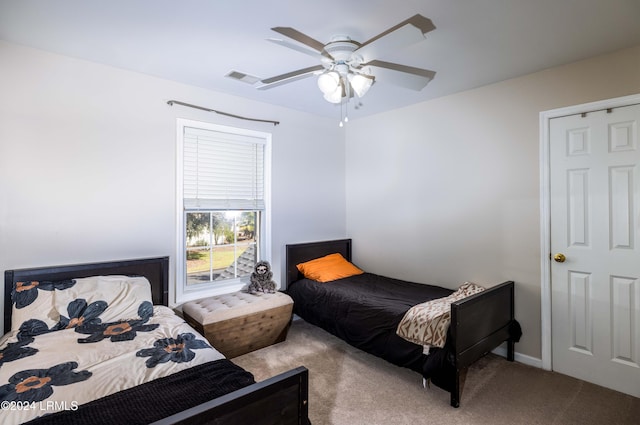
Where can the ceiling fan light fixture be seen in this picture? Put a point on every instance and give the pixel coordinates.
(329, 82)
(335, 96)
(361, 83)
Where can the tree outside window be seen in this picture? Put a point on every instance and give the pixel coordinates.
(220, 245)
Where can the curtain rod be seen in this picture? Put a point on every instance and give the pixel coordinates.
(176, 102)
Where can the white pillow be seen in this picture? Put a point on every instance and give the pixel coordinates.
(113, 297)
(34, 300)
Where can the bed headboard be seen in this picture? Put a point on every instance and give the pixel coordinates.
(301, 252)
(156, 270)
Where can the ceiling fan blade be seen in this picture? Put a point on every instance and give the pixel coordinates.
(405, 33)
(401, 75)
(296, 47)
(289, 77)
(300, 38)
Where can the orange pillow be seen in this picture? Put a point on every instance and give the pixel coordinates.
(328, 268)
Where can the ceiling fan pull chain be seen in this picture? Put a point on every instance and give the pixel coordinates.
(346, 111)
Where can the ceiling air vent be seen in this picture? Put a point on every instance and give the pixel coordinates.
(241, 76)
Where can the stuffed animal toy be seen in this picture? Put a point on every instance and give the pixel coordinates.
(261, 279)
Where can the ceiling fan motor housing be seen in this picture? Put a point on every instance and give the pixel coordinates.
(341, 49)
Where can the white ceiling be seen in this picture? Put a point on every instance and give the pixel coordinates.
(197, 42)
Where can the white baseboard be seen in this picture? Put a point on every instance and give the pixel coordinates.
(518, 357)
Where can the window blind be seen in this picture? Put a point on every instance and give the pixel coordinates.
(223, 171)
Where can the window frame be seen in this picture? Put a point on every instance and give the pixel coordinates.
(184, 292)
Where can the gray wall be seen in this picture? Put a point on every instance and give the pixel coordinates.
(448, 191)
(440, 192)
(87, 163)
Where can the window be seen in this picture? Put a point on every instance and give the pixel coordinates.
(223, 215)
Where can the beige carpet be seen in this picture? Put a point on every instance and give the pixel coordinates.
(350, 387)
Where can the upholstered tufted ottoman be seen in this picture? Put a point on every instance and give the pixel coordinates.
(240, 322)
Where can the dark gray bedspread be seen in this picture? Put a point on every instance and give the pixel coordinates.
(364, 310)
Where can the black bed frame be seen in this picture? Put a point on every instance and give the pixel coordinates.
(479, 323)
(282, 399)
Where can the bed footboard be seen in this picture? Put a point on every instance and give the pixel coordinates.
(282, 399)
(479, 324)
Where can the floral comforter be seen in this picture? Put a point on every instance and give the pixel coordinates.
(46, 368)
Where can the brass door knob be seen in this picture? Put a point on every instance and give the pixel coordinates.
(559, 258)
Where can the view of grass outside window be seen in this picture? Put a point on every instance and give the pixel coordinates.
(220, 245)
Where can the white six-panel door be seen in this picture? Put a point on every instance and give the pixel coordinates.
(595, 225)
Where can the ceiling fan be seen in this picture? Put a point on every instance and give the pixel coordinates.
(348, 67)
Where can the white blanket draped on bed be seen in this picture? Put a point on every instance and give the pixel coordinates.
(426, 324)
